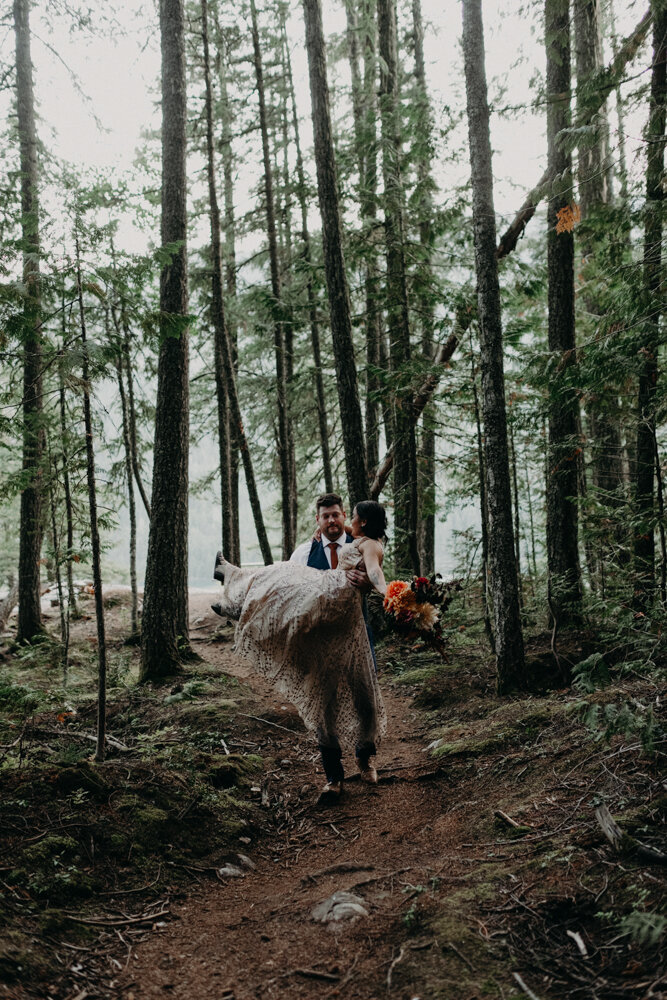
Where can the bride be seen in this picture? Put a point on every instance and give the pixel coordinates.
(304, 631)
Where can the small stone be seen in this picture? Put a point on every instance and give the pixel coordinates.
(246, 862)
(230, 871)
(340, 906)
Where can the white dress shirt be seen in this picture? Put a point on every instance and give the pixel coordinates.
(301, 554)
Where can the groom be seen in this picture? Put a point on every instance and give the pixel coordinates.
(323, 554)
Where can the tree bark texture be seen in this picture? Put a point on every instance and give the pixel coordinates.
(644, 542)
(284, 433)
(564, 421)
(164, 636)
(502, 563)
(334, 264)
(424, 292)
(406, 555)
(30, 537)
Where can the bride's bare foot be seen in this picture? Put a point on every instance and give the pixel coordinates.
(218, 569)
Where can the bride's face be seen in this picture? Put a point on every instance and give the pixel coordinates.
(357, 525)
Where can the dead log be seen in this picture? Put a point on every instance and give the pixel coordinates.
(623, 843)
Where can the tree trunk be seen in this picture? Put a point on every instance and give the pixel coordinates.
(229, 259)
(406, 555)
(334, 265)
(223, 344)
(131, 507)
(132, 410)
(69, 514)
(95, 546)
(164, 634)
(30, 536)
(284, 434)
(483, 508)
(562, 488)
(594, 178)
(424, 292)
(502, 563)
(644, 542)
(322, 416)
(64, 615)
(218, 318)
(364, 103)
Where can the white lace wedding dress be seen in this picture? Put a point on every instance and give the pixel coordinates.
(304, 631)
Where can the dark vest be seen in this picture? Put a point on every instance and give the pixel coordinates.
(318, 557)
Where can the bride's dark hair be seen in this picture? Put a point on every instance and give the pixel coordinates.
(375, 516)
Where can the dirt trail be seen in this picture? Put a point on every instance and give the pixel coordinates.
(253, 936)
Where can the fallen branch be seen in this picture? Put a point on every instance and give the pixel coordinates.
(121, 922)
(508, 819)
(314, 974)
(393, 966)
(526, 989)
(267, 722)
(456, 951)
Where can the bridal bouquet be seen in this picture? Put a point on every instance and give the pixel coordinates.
(415, 609)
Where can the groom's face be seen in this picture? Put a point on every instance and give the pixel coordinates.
(331, 521)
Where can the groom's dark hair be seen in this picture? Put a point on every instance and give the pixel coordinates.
(328, 500)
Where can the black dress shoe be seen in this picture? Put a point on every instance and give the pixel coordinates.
(218, 572)
(218, 610)
(330, 794)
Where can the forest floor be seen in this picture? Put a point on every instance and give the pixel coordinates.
(191, 863)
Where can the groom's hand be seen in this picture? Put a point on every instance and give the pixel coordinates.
(358, 578)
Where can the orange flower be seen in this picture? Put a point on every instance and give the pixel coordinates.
(395, 588)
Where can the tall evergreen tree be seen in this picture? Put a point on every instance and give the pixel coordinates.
(562, 487)
(302, 196)
(30, 542)
(406, 555)
(164, 634)
(424, 298)
(509, 648)
(334, 265)
(285, 439)
(644, 543)
(361, 26)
